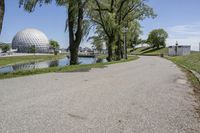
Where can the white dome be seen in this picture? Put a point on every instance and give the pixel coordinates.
(28, 39)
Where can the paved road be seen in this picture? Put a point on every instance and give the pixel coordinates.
(149, 95)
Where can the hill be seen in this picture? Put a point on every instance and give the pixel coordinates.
(149, 51)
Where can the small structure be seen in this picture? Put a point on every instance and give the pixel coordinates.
(179, 50)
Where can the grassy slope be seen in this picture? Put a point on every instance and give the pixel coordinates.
(24, 59)
(191, 61)
(74, 68)
(150, 51)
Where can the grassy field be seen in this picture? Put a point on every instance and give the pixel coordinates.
(150, 51)
(74, 68)
(25, 59)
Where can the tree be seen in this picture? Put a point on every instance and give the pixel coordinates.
(114, 15)
(157, 38)
(5, 48)
(54, 45)
(2, 10)
(76, 22)
(97, 43)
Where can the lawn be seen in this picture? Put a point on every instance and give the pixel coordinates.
(25, 59)
(73, 68)
(191, 61)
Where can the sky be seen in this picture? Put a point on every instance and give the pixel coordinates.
(180, 18)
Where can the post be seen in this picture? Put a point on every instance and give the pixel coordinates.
(125, 30)
(124, 45)
(176, 48)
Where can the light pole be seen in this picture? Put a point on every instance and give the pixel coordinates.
(125, 30)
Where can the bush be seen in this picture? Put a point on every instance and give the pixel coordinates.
(5, 48)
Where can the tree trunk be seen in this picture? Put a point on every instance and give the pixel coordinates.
(73, 56)
(109, 58)
(119, 48)
(2, 10)
(75, 38)
(110, 52)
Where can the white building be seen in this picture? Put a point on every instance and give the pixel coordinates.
(179, 50)
(29, 40)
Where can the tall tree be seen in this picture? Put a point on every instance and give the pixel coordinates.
(2, 11)
(157, 38)
(113, 15)
(76, 23)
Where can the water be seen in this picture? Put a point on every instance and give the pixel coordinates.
(47, 64)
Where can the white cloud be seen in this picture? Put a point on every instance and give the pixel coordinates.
(185, 35)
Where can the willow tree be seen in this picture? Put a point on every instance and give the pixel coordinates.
(76, 23)
(2, 10)
(113, 15)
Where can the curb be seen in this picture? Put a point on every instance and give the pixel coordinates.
(196, 74)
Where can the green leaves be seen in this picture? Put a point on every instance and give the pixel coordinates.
(29, 5)
(54, 44)
(157, 38)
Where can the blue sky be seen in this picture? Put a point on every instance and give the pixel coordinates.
(180, 18)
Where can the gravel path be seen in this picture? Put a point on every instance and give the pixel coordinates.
(149, 95)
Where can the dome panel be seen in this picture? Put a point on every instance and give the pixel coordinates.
(26, 39)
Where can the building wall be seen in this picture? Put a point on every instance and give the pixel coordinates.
(181, 50)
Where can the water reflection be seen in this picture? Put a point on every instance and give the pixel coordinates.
(47, 64)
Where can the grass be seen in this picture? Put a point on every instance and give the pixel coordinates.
(191, 62)
(150, 51)
(74, 68)
(4, 61)
(102, 56)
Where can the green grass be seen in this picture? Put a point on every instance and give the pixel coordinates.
(191, 62)
(25, 59)
(102, 56)
(150, 51)
(74, 68)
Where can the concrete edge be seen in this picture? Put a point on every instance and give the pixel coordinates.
(196, 74)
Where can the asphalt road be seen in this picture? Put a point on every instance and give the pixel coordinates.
(149, 95)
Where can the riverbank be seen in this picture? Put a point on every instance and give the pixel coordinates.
(12, 60)
(73, 68)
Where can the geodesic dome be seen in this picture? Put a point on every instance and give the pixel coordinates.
(27, 40)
